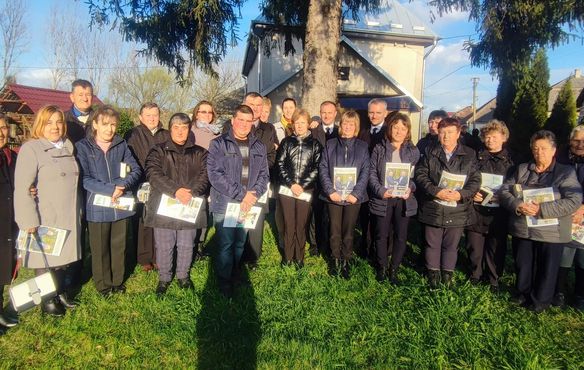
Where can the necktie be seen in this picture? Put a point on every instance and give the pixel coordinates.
(374, 130)
(329, 130)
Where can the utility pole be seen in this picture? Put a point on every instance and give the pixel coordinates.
(475, 83)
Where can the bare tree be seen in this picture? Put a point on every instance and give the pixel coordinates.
(56, 41)
(14, 33)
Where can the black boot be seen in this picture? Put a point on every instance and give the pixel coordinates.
(559, 299)
(53, 307)
(336, 267)
(393, 279)
(345, 270)
(5, 319)
(579, 289)
(381, 274)
(433, 278)
(447, 278)
(162, 288)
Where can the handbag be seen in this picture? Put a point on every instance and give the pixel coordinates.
(32, 292)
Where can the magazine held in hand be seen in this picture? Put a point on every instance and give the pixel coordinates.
(344, 180)
(234, 217)
(539, 196)
(450, 181)
(490, 184)
(173, 208)
(284, 190)
(123, 203)
(397, 178)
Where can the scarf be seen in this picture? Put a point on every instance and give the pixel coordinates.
(215, 129)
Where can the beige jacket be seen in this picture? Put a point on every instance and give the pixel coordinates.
(55, 174)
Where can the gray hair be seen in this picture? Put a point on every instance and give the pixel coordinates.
(377, 101)
(576, 129)
(179, 119)
(543, 135)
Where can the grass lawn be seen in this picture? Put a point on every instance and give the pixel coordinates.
(292, 319)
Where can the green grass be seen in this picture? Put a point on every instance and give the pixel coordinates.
(300, 320)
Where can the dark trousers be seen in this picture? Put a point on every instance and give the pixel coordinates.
(342, 229)
(255, 240)
(487, 250)
(107, 241)
(229, 248)
(146, 251)
(320, 224)
(367, 231)
(296, 216)
(537, 265)
(441, 247)
(279, 218)
(393, 222)
(201, 234)
(166, 240)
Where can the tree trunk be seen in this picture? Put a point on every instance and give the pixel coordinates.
(321, 53)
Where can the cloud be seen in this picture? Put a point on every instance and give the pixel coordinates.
(449, 55)
(38, 77)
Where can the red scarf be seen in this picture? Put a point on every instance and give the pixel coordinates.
(8, 154)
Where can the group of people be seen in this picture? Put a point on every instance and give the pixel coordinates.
(326, 179)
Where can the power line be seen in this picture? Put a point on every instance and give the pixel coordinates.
(446, 75)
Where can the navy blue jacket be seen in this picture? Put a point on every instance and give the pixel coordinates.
(336, 154)
(224, 169)
(101, 174)
(382, 153)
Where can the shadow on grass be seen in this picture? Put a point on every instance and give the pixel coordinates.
(228, 330)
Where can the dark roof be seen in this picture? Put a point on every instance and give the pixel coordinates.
(28, 99)
(577, 89)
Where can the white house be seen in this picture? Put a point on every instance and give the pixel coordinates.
(382, 55)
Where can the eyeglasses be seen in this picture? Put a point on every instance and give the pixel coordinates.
(578, 142)
(204, 112)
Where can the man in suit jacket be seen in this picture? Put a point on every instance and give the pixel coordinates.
(372, 133)
(324, 128)
(80, 115)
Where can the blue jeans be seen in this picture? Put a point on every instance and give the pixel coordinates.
(229, 248)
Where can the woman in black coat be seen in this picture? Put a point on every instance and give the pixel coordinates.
(176, 168)
(344, 173)
(8, 228)
(391, 204)
(297, 163)
(446, 199)
(487, 237)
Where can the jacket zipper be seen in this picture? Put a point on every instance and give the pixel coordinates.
(109, 176)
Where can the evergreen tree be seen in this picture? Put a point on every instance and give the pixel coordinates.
(529, 109)
(564, 114)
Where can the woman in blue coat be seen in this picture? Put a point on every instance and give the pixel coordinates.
(108, 169)
(344, 173)
(392, 210)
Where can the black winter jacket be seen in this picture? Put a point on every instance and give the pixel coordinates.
(297, 161)
(427, 178)
(8, 228)
(170, 167)
(140, 140)
(499, 164)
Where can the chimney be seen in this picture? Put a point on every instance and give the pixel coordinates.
(577, 73)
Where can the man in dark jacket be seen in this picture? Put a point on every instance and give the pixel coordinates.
(141, 139)
(237, 166)
(431, 137)
(372, 133)
(80, 115)
(266, 134)
(323, 130)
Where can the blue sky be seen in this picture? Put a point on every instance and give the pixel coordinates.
(448, 72)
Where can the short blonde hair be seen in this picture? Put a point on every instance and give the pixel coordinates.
(351, 114)
(495, 125)
(299, 112)
(267, 101)
(42, 118)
